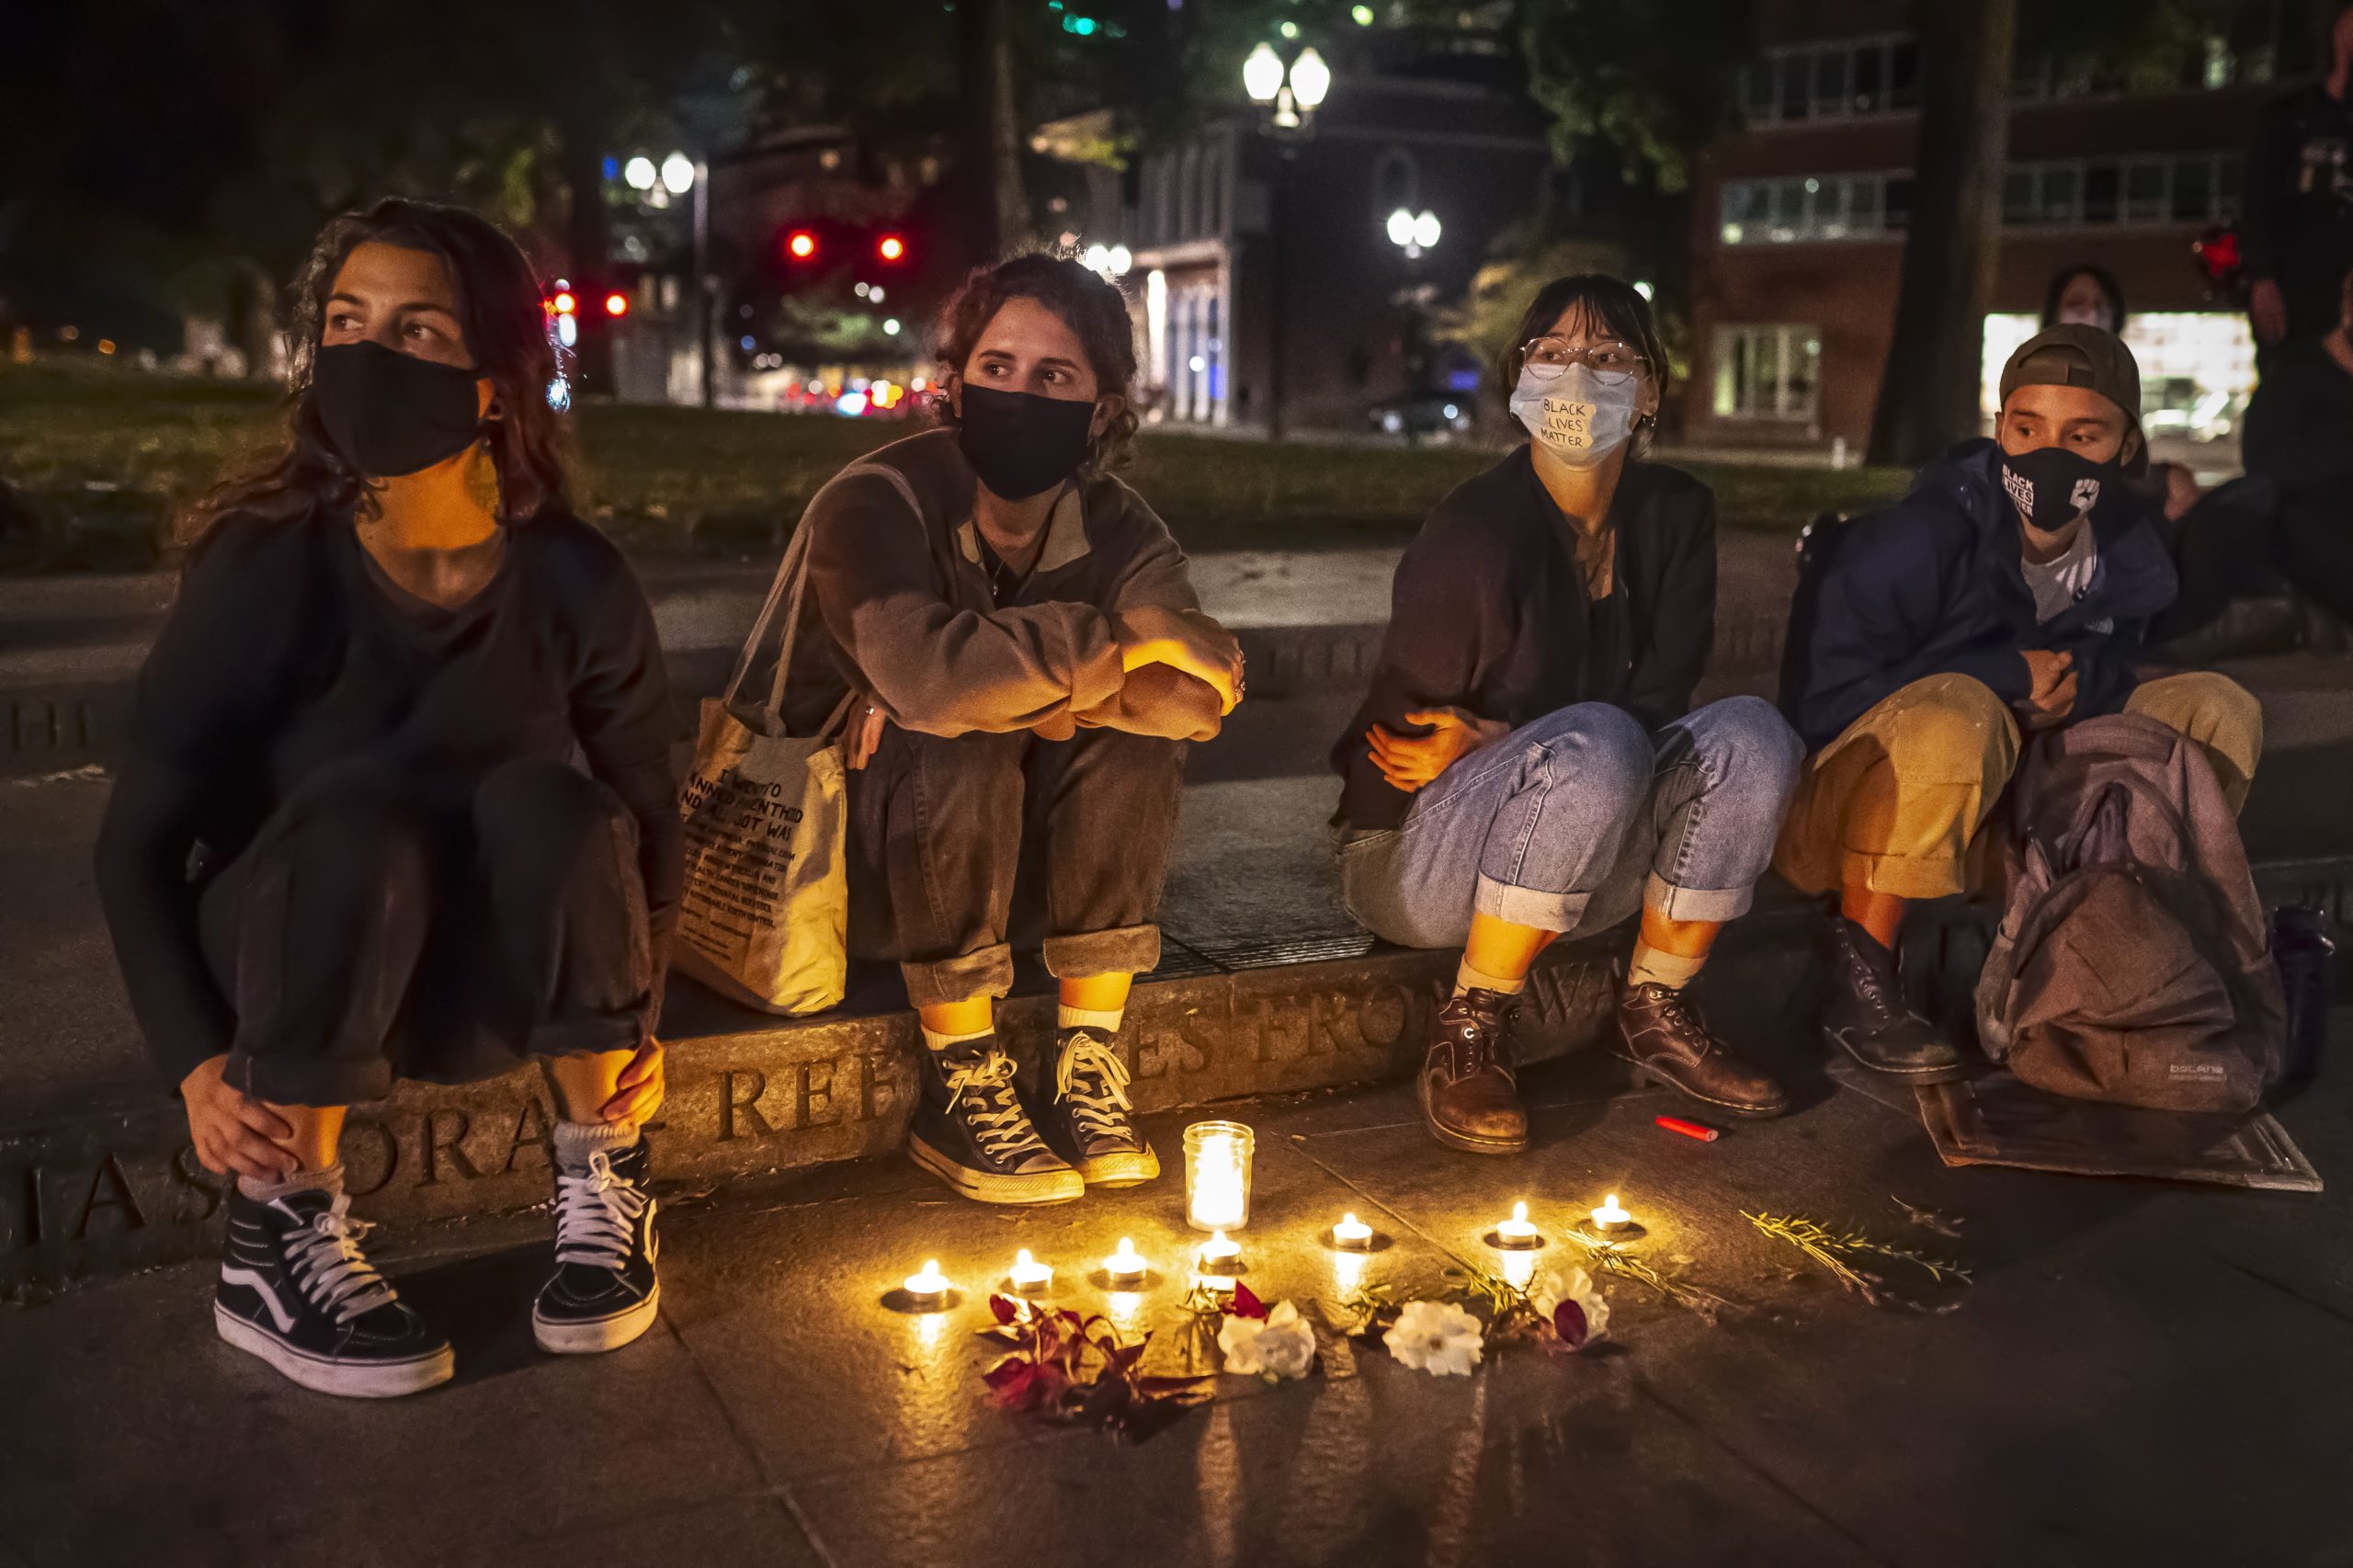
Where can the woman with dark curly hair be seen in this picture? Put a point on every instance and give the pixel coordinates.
(1529, 763)
(347, 842)
(1021, 655)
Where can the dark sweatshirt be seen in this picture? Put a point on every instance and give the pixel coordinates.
(901, 607)
(1933, 585)
(1489, 613)
(2296, 216)
(2299, 425)
(284, 654)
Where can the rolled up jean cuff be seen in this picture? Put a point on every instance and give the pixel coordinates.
(1714, 905)
(935, 981)
(1525, 906)
(307, 1080)
(1123, 950)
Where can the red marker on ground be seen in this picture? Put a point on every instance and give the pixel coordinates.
(1688, 1128)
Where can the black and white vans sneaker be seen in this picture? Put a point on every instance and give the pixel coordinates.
(297, 1291)
(972, 1132)
(604, 1291)
(1089, 1122)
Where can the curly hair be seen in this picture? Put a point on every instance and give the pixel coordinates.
(506, 329)
(1093, 309)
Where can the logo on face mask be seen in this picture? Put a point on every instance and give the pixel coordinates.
(2053, 487)
(1575, 416)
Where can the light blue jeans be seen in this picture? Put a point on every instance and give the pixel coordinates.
(1573, 823)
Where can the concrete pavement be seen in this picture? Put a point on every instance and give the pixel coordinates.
(2140, 1374)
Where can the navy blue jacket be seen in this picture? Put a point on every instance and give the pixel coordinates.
(1932, 585)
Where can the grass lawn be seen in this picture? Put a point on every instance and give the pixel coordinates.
(98, 459)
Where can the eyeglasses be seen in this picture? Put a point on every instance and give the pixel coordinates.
(1612, 363)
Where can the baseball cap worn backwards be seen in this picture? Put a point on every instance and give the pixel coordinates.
(2075, 354)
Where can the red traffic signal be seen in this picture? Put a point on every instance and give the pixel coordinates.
(563, 304)
(801, 245)
(891, 247)
(616, 305)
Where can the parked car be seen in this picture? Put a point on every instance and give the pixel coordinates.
(1423, 415)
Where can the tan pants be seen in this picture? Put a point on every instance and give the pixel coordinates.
(1894, 803)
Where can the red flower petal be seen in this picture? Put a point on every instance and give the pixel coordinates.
(1245, 1304)
(1568, 1322)
(1004, 1307)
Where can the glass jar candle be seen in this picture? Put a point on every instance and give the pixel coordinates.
(1217, 1175)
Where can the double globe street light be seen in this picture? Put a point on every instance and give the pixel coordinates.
(1288, 97)
(677, 174)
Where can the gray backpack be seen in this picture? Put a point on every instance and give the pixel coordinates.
(2134, 961)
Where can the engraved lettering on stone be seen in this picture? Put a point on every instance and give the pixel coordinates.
(532, 1131)
(109, 1190)
(460, 1121)
(368, 1173)
(813, 1094)
(188, 1176)
(878, 1085)
(735, 1102)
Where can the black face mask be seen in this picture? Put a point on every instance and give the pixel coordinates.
(1020, 443)
(389, 412)
(2054, 486)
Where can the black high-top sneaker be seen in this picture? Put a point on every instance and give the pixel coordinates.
(1088, 1121)
(604, 1291)
(972, 1132)
(296, 1290)
(1865, 1015)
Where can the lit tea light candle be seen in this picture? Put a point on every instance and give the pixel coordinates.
(1516, 1231)
(1029, 1274)
(1126, 1267)
(927, 1287)
(1352, 1234)
(1609, 1219)
(1220, 1253)
(1217, 1175)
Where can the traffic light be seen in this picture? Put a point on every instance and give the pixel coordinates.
(892, 247)
(616, 305)
(801, 245)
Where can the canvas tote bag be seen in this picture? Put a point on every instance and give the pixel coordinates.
(765, 914)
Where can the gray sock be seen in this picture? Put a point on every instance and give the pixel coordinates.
(575, 1140)
(329, 1180)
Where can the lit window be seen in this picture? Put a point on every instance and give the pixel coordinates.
(1767, 372)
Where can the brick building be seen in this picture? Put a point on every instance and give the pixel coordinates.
(1801, 214)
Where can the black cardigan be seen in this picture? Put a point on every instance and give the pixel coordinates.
(1489, 613)
(283, 657)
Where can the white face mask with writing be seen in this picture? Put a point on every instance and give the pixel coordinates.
(1578, 419)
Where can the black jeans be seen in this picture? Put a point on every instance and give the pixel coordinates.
(959, 846)
(2244, 538)
(378, 927)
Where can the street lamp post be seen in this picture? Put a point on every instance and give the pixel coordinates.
(678, 175)
(1288, 97)
(1415, 235)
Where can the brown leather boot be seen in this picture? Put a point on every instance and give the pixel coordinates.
(1470, 1099)
(1662, 1035)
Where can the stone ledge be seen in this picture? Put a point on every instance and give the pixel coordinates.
(117, 1186)
(104, 1181)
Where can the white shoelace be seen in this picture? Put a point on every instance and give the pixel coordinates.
(330, 1266)
(997, 1119)
(596, 1214)
(1100, 1097)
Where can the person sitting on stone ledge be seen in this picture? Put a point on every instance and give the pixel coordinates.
(1029, 660)
(1527, 764)
(358, 724)
(2009, 593)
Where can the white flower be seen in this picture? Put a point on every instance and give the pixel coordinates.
(1280, 1345)
(1437, 1336)
(1579, 1290)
